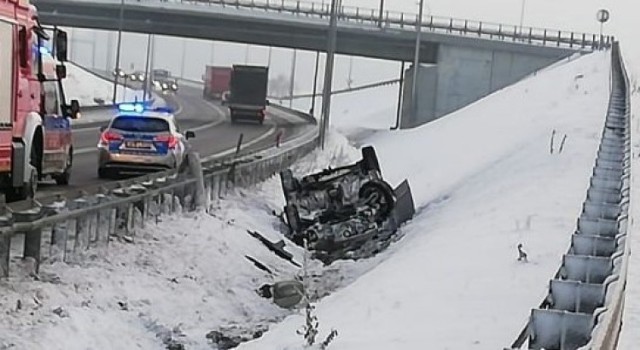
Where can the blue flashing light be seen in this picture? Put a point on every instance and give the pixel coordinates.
(131, 107)
(44, 50)
(163, 110)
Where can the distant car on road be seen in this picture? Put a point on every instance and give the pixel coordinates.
(162, 81)
(138, 76)
(140, 140)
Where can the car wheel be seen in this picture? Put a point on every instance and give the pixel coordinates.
(378, 194)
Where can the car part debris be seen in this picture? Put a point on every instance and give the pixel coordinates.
(287, 294)
(348, 212)
(259, 265)
(277, 248)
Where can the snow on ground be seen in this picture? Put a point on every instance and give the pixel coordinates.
(484, 181)
(89, 89)
(181, 278)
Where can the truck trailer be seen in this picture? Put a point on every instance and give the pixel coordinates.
(216, 82)
(248, 95)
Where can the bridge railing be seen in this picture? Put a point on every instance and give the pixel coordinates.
(584, 304)
(409, 21)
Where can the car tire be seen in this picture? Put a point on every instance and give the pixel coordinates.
(383, 196)
(370, 159)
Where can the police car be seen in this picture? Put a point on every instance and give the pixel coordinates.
(140, 140)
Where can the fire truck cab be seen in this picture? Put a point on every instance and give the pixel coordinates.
(35, 128)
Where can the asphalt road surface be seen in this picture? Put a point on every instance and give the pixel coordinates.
(214, 135)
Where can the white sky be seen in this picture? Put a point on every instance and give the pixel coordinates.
(570, 15)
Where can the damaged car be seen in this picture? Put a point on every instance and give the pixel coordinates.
(348, 212)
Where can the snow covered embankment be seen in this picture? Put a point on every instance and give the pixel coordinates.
(91, 90)
(180, 280)
(486, 181)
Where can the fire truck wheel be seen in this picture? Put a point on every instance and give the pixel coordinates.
(28, 190)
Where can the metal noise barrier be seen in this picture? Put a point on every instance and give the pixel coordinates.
(63, 229)
(584, 305)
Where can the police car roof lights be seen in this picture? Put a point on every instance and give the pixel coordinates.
(141, 107)
(131, 107)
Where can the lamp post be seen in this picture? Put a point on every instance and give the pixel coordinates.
(416, 63)
(522, 10)
(145, 83)
(381, 12)
(328, 73)
(119, 46)
(292, 82)
(603, 17)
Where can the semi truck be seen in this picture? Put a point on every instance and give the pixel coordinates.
(35, 127)
(216, 82)
(248, 94)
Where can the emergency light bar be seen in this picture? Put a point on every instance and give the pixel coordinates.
(141, 107)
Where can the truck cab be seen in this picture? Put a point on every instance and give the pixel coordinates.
(35, 131)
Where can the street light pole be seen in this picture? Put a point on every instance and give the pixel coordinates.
(292, 82)
(315, 85)
(119, 45)
(524, 4)
(381, 12)
(416, 63)
(328, 73)
(145, 84)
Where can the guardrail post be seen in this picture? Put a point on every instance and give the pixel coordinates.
(82, 227)
(571, 43)
(103, 222)
(195, 166)
(402, 20)
(32, 237)
(5, 244)
(123, 216)
(544, 38)
(530, 35)
(559, 38)
(58, 231)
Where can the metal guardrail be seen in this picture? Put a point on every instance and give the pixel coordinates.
(63, 229)
(584, 306)
(435, 24)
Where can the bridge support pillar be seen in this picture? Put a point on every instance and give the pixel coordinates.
(461, 76)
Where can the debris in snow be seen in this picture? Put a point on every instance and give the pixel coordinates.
(265, 291)
(231, 337)
(123, 306)
(18, 305)
(288, 294)
(522, 255)
(60, 312)
(277, 248)
(259, 265)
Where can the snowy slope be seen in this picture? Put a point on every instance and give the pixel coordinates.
(485, 181)
(86, 88)
(181, 278)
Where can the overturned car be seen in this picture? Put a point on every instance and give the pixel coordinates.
(348, 212)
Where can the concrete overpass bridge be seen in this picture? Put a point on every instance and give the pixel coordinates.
(488, 55)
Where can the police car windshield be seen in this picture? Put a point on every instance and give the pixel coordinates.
(140, 124)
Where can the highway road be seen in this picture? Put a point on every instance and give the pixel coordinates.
(215, 135)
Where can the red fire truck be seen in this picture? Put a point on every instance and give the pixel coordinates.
(35, 130)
